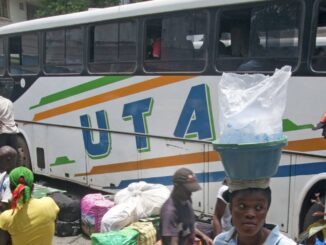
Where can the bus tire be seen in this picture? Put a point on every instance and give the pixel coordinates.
(24, 158)
(309, 219)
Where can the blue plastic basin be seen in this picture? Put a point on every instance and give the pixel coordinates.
(251, 161)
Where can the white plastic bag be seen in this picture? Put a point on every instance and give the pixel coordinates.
(119, 216)
(251, 106)
(138, 200)
(148, 198)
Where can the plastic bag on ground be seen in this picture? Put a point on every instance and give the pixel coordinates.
(139, 200)
(93, 208)
(148, 198)
(251, 106)
(127, 236)
(118, 217)
(147, 232)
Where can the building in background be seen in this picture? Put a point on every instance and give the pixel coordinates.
(20, 10)
(17, 10)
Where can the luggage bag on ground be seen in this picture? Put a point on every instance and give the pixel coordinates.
(68, 220)
(69, 206)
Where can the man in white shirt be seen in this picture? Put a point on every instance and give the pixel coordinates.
(8, 128)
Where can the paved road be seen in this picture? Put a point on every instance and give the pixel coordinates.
(73, 240)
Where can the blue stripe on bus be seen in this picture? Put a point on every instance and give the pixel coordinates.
(283, 171)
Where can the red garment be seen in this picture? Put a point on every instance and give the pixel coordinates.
(156, 48)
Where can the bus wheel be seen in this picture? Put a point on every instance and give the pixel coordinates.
(310, 219)
(24, 158)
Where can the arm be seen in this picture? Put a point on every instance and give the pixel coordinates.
(203, 237)
(218, 213)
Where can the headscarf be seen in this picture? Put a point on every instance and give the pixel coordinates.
(21, 178)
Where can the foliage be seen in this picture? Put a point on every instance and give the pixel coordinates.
(57, 7)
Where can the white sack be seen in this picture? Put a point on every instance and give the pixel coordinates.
(118, 217)
(148, 198)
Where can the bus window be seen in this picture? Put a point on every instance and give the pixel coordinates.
(319, 54)
(176, 43)
(63, 51)
(113, 48)
(259, 38)
(2, 57)
(24, 54)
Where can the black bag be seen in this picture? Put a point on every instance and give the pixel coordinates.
(63, 229)
(69, 206)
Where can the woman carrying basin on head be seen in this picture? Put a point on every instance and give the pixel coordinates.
(249, 207)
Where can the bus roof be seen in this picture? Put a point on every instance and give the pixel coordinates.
(122, 11)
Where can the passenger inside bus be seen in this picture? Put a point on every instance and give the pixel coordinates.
(240, 48)
(253, 59)
(224, 48)
(239, 41)
(156, 48)
(154, 39)
(233, 44)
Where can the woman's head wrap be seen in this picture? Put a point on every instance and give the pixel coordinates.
(21, 179)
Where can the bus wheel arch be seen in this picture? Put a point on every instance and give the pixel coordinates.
(308, 207)
(24, 158)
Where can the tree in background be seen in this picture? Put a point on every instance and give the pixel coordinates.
(57, 7)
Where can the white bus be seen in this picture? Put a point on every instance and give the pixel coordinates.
(98, 105)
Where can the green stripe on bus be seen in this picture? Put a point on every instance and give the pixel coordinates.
(79, 89)
(61, 161)
(288, 125)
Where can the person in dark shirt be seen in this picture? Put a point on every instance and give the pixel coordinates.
(177, 226)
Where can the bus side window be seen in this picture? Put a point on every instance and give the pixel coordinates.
(113, 47)
(24, 56)
(176, 42)
(63, 50)
(232, 39)
(261, 38)
(318, 61)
